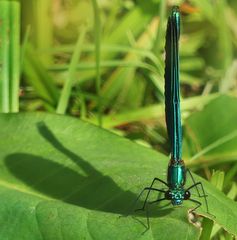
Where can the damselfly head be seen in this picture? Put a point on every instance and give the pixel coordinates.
(176, 196)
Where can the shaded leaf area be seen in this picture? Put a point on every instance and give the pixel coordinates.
(211, 134)
(67, 179)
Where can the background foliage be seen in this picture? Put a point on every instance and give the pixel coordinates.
(103, 62)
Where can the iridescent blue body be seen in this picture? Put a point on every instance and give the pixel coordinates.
(176, 178)
(176, 173)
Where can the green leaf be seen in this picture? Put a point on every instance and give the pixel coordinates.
(211, 134)
(62, 178)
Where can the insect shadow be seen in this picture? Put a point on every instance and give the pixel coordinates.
(86, 187)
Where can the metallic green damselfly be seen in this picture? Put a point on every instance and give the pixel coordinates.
(176, 191)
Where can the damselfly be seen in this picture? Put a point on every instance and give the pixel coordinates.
(176, 191)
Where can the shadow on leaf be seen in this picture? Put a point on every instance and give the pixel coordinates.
(91, 190)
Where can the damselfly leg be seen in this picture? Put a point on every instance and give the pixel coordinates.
(147, 212)
(196, 184)
(149, 189)
(199, 204)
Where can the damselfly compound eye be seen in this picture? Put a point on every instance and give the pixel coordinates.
(187, 195)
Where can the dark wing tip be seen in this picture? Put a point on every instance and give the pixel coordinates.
(175, 18)
(175, 10)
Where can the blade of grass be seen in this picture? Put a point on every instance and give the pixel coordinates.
(4, 57)
(233, 191)
(229, 79)
(38, 77)
(150, 112)
(9, 56)
(24, 45)
(66, 92)
(113, 48)
(106, 64)
(213, 145)
(207, 226)
(14, 55)
(44, 28)
(217, 180)
(230, 174)
(225, 44)
(111, 19)
(83, 108)
(160, 30)
(97, 32)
